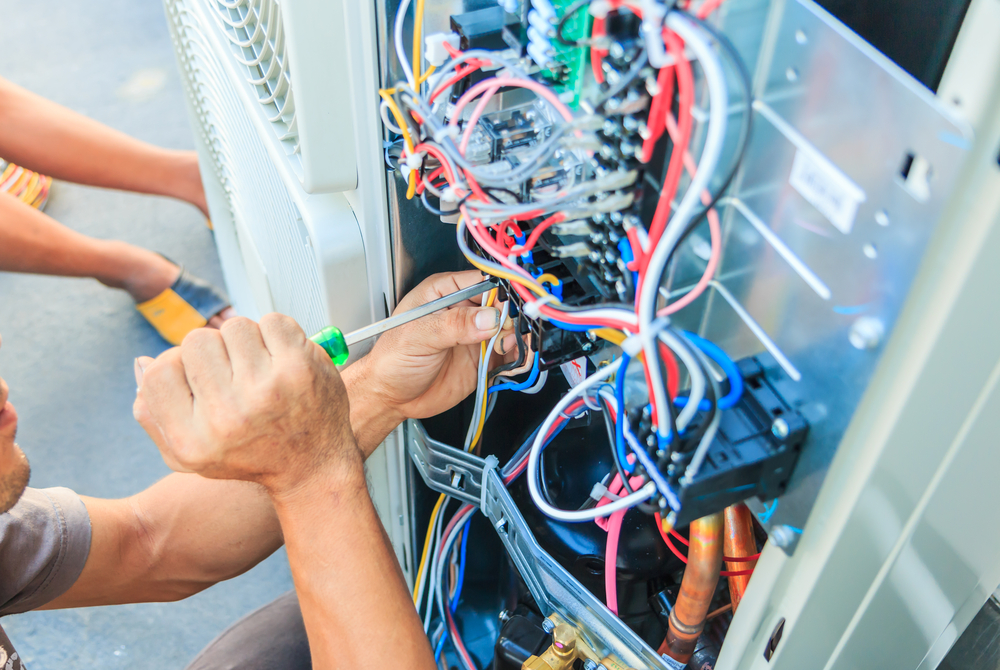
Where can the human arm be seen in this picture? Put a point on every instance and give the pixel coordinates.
(40, 135)
(172, 540)
(186, 532)
(263, 404)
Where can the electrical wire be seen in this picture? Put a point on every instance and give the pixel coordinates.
(576, 516)
(715, 136)
(404, 62)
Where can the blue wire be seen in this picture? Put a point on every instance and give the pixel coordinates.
(460, 579)
(526, 384)
(620, 417)
(440, 646)
(726, 363)
(625, 249)
(572, 326)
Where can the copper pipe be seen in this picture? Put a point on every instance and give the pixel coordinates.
(701, 577)
(739, 543)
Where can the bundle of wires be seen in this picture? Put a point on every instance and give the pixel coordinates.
(437, 112)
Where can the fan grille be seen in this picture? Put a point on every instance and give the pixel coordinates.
(254, 189)
(257, 42)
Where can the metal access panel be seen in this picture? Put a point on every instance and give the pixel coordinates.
(849, 166)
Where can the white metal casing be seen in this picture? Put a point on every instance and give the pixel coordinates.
(296, 231)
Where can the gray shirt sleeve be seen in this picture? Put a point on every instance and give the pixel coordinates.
(44, 543)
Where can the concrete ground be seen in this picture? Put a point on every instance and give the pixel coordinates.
(69, 344)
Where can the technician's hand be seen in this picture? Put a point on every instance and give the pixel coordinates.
(430, 365)
(257, 403)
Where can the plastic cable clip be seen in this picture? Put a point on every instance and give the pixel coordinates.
(533, 308)
(490, 464)
(446, 132)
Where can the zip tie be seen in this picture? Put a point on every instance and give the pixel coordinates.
(533, 308)
(446, 132)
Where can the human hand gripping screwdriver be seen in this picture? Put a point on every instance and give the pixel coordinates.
(336, 344)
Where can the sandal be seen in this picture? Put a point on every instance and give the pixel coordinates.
(27, 186)
(186, 305)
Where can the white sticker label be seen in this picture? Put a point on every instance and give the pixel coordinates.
(826, 188)
(575, 370)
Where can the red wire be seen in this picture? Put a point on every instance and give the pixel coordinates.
(459, 74)
(655, 122)
(685, 92)
(539, 229)
(676, 552)
(707, 8)
(597, 55)
(430, 178)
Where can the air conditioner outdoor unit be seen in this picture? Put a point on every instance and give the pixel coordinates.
(279, 127)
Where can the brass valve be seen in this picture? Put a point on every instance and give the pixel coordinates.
(560, 655)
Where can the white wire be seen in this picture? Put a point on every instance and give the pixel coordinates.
(423, 577)
(383, 110)
(484, 366)
(404, 62)
(694, 372)
(695, 38)
(542, 378)
(534, 457)
(432, 568)
(701, 451)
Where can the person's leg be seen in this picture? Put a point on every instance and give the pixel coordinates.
(270, 638)
(33, 242)
(40, 135)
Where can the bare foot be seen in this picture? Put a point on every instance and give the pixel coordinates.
(151, 275)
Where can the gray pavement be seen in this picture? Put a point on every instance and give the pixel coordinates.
(69, 344)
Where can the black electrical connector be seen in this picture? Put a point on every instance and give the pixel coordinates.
(755, 449)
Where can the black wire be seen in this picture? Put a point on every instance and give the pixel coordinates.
(747, 125)
(612, 439)
(408, 118)
(567, 15)
(742, 142)
(522, 352)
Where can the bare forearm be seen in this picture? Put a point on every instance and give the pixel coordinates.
(48, 138)
(355, 603)
(177, 537)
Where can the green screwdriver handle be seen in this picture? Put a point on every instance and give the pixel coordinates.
(333, 343)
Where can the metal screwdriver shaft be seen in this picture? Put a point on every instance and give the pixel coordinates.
(336, 344)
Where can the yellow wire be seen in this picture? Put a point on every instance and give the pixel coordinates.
(610, 334)
(427, 546)
(418, 25)
(510, 276)
(426, 75)
(400, 121)
(548, 277)
(411, 187)
(482, 356)
(430, 527)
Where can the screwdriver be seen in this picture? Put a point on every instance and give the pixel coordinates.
(336, 344)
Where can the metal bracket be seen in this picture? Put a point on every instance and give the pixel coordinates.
(445, 469)
(554, 589)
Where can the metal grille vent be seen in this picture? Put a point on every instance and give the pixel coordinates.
(257, 41)
(255, 190)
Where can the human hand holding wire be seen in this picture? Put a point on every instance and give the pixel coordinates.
(430, 365)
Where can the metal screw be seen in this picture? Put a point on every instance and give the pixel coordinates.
(504, 616)
(783, 536)
(616, 50)
(791, 74)
(589, 664)
(882, 217)
(548, 625)
(870, 250)
(780, 428)
(866, 333)
(800, 37)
